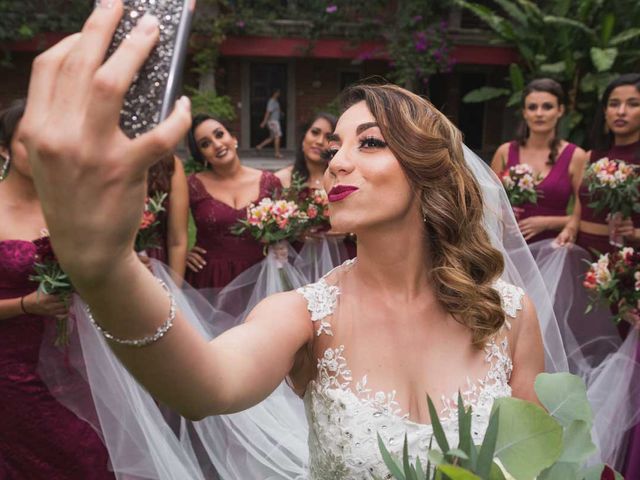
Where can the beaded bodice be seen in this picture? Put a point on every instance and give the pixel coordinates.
(345, 414)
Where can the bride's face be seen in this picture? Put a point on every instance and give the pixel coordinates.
(366, 185)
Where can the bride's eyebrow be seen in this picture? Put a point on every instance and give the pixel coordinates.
(334, 137)
(365, 126)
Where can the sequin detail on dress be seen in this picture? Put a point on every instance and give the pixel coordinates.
(344, 419)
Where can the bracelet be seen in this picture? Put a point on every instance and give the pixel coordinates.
(22, 306)
(144, 341)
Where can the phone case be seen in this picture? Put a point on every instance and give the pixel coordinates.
(151, 97)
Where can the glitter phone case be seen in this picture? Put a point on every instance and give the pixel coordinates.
(151, 96)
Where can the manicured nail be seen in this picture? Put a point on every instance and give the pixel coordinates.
(148, 24)
(184, 103)
(107, 3)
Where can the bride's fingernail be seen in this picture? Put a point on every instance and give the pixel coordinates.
(148, 24)
(107, 3)
(184, 102)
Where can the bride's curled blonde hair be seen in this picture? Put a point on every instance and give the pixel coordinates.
(429, 149)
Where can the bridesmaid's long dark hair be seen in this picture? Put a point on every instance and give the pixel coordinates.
(602, 139)
(300, 165)
(546, 85)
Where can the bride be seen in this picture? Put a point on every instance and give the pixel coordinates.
(423, 310)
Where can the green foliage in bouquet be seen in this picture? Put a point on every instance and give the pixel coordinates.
(148, 236)
(522, 441)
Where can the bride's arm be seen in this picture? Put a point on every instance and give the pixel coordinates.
(91, 180)
(527, 352)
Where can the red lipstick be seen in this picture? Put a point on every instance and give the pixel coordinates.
(340, 192)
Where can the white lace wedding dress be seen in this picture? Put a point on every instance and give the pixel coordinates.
(345, 416)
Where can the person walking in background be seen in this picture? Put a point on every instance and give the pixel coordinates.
(272, 121)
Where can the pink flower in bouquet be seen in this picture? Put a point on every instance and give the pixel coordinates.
(312, 211)
(282, 223)
(590, 281)
(628, 255)
(636, 276)
(148, 219)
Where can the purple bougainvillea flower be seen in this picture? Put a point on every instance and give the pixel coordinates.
(332, 9)
(240, 24)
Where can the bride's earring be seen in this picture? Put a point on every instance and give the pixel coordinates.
(4, 170)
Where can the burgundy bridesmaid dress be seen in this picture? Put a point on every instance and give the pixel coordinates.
(600, 243)
(39, 438)
(227, 255)
(555, 189)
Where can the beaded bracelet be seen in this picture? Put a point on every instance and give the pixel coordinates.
(144, 341)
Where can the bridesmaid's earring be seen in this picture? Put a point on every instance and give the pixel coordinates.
(5, 167)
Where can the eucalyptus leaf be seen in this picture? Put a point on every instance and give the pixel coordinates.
(560, 471)
(592, 473)
(577, 444)
(529, 440)
(564, 396)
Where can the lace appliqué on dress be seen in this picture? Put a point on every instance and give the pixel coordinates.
(344, 421)
(322, 299)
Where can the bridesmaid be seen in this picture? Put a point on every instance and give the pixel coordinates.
(39, 438)
(560, 163)
(310, 164)
(167, 176)
(218, 198)
(310, 161)
(616, 135)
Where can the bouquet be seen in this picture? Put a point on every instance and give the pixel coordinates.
(52, 280)
(522, 440)
(614, 186)
(148, 236)
(520, 183)
(272, 221)
(615, 279)
(313, 201)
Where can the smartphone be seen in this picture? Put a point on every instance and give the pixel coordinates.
(151, 96)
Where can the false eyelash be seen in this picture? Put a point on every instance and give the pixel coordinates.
(372, 142)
